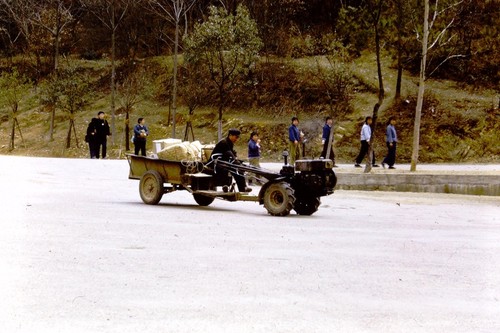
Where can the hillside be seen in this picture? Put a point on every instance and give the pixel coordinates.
(458, 122)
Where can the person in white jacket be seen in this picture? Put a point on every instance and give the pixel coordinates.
(366, 134)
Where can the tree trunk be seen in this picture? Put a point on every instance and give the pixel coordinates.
(52, 121)
(113, 72)
(20, 133)
(12, 134)
(397, 95)
(57, 37)
(421, 90)
(189, 124)
(68, 136)
(127, 130)
(381, 96)
(221, 108)
(330, 143)
(219, 125)
(76, 135)
(174, 88)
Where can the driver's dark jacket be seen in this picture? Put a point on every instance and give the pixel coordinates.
(226, 148)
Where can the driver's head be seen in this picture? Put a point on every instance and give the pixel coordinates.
(233, 134)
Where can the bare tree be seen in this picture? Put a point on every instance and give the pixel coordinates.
(194, 92)
(53, 17)
(131, 92)
(428, 23)
(110, 13)
(22, 12)
(49, 94)
(41, 24)
(15, 88)
(402, 18)
(73, 90)
(375, 8)
(173, 11)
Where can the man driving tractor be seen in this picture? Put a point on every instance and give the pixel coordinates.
(224, 150)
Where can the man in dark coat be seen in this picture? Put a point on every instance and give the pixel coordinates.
(224, 150)
(90, 137)
(327, 139)
(102, 132)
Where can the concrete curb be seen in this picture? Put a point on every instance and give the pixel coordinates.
(435, 178)
(436, 183)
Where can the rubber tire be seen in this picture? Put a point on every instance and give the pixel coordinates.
(151, 187)
(203, 200)
(306, 206)
(279, 199)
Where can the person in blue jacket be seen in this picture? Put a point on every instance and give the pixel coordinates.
(294, 140)
(391, 139)
(325, 139)
(254, 155)
(141, 133)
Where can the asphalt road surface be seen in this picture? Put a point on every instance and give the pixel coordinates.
(80, 252)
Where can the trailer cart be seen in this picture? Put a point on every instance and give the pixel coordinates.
(296, 187)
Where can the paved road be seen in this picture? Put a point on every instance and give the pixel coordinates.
(79, 252)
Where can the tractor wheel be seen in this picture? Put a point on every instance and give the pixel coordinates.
(203, 200)
(306, 206)
(151, 187)
(279, 199)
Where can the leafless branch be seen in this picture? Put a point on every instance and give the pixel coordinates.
(445, 60)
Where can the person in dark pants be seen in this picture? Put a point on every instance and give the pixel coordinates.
(90, 138)
(102, 132)
(294, 140)
(141, 133)
(224, 150)
(254, 156)
(391, 139)
(366, 134)
(325, 139)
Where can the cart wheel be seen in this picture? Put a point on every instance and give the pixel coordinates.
(151, 187)
(279, 199)
(203, 200)
(306, 206)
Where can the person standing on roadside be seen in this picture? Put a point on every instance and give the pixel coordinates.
(90, 138)
(366, 134)
(327, 140)
(391, 139)
(102, 132)
(254, 155)
(294, 140)
(141, 133)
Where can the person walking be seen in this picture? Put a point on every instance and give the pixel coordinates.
(224, 150)
(327, 140)
(391, 139)
(366, 134)
(141, 133)
(102, 132)
(254, 155)
(294, 140)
